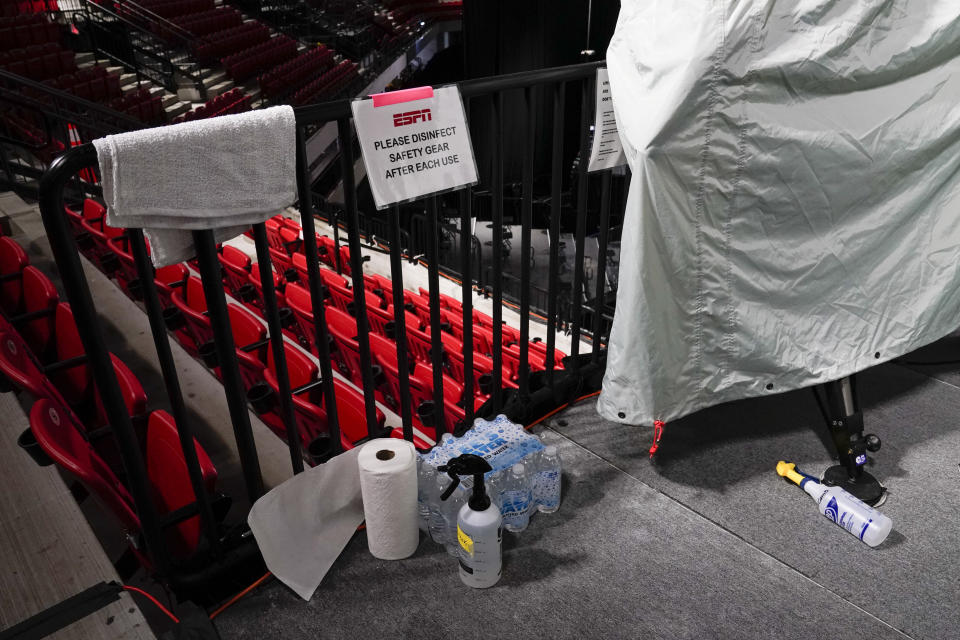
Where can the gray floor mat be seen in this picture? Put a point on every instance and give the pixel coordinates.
(720, 462)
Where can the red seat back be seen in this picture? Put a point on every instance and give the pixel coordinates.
(17, 366)
(300, 302)
(308, 412)
(73, 382)
(39, 295)
(12, 260)
(167, 470)
(59, 437)
(343, 329)
(236, 266)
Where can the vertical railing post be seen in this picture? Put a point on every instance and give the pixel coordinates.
(583, 185)
(356, 268)
(556, 197)
(526, 221)
(227, 358)
(277, 346)
(400, 325)
(436, 340)
(168, 368)
(497, 266)
(317, 303)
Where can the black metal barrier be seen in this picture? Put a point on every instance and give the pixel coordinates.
(535, 393)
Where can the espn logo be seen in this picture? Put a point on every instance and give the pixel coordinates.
(411, 117)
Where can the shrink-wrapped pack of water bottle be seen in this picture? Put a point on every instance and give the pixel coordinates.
(525, 478)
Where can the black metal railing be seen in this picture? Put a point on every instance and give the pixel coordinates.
(39, 119)
(532, 395)
(150, 46)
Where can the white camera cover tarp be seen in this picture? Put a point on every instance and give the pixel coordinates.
(794, 209)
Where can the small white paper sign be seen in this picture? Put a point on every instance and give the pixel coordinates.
(416, 147)
(607, 149)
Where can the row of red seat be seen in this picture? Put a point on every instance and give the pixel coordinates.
(17, 8)
(91, 83)
(286, 253)
(38, 62)
(233, 101)
(327, 85)
(23, 31)
(210, 21)
(140, 104)
(294, 73)
(247, 63)
(41, 354)
(223, 43)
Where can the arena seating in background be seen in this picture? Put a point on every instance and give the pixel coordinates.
(233, 101)
(291, 75)
(223, 43)
(247, 63)
(210, 21)
(18, 31)
(327, 85)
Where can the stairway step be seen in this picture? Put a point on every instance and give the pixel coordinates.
(217, 89)
(176, 109)
(216, 77)
(85, 57)
(127, 79)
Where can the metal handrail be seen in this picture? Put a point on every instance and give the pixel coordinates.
(187, 67)
(81, 115)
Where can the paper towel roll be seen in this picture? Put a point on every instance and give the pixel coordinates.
(388, 484)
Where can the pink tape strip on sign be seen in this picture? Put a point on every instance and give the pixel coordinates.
(404, 95)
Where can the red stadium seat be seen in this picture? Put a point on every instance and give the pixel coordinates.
(56, 433)
(59, 437)
(192, 304)
(17, 366)
(40, 300)
(311, 418)
(255, 300)
(236, 267)
(167, 471)
(12, 261)
(343, 330)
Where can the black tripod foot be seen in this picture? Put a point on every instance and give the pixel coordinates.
(866, 487)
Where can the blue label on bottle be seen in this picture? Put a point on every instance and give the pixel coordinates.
(832, 510)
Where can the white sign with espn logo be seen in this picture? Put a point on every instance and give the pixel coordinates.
(415, 142)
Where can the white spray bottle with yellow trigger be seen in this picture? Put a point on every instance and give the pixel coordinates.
(843, 508)
(479, 524)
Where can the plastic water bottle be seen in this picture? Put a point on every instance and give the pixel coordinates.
(548, 480)
(515, 500)
(425, 480)
(450, 510)
(437, 525)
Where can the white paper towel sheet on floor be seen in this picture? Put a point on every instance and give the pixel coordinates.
(303, 525)
(388, 484)
(793, 208)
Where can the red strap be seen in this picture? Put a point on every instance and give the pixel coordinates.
(657, 434)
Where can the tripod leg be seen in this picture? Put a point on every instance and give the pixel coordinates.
(845, 421)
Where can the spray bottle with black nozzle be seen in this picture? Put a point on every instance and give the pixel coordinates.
(479, 530)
